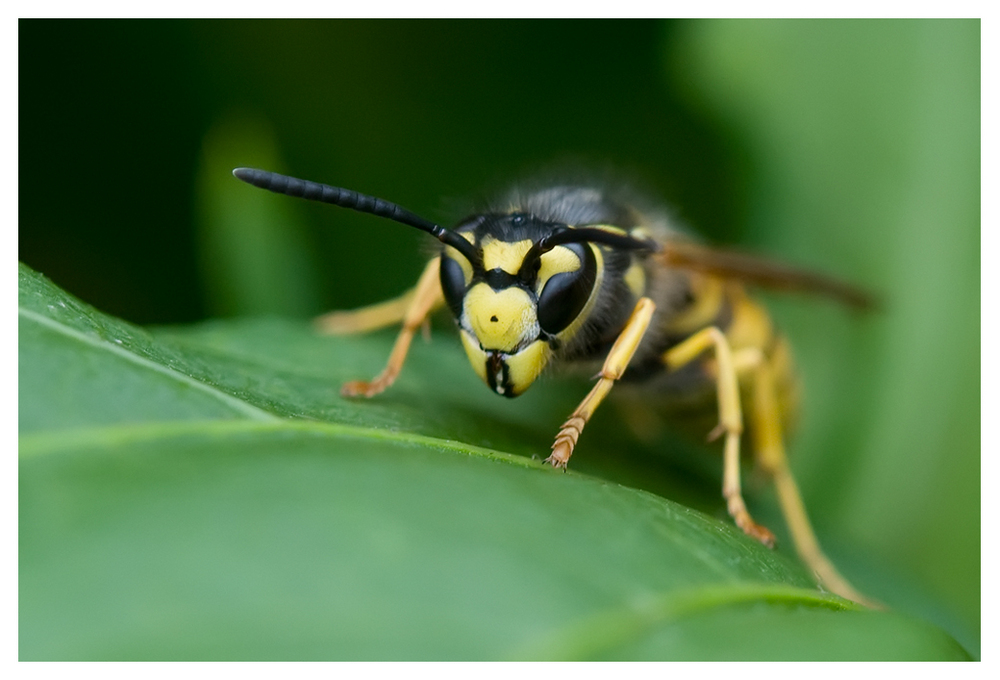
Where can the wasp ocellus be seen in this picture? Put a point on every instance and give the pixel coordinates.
(577, 275)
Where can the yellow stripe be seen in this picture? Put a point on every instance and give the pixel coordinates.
(750, 325)
(558, 260)
(635, 279)
(708, 300)
(504, 255)
(567, 333)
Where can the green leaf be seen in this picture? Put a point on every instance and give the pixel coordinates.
(205, 494)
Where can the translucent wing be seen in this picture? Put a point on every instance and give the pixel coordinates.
(760, 271)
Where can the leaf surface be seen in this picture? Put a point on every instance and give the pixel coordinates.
(205, 494)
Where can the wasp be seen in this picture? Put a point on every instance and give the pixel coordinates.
(580, 275)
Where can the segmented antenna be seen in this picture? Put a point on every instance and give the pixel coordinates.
(560, 235)
(590, 234)
(345, 198)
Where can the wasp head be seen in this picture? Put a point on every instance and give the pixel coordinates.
(519, 298)
(519, 286)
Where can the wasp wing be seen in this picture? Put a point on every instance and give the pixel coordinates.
(760, 271)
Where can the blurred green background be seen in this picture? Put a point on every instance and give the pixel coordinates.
(847, 146)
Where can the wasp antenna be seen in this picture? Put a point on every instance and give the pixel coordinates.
(345, 198)
(562, 234)
(581, 234)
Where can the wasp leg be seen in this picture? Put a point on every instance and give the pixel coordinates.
(614, 366)
(730, 420)
(426, 297)
(374, 317)
(770, 454)
(364, 319)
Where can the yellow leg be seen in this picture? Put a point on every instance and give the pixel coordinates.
(614, 366)
(730, 420)
(370, 318)
(373, 317)
(426, 297)
(770, 453)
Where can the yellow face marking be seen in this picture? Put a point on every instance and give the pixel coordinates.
(558, 260)
(459, 258)
(477, 357)
(462, 262)
(522, 368)
(500, 319)
(526, 365)
(504, 255)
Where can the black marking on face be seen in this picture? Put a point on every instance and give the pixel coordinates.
(498, 375)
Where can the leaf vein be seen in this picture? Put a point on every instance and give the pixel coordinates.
(235, 403)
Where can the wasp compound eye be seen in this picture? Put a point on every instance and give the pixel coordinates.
(453, 284)
(565, 293)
